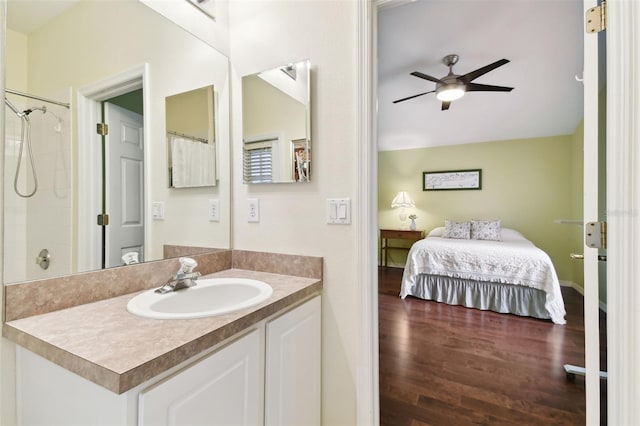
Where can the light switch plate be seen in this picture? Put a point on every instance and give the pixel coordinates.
(339, 211)
(157, 210)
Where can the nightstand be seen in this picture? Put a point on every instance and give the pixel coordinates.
(396, 234)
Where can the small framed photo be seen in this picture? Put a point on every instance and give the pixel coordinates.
(452, 180)
(208, 7)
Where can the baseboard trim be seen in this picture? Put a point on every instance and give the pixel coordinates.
(579, 289)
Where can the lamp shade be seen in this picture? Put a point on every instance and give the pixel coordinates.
(402, 199)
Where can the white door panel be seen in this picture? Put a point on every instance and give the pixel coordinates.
(125, 184)
(591, 214)
(131, 209)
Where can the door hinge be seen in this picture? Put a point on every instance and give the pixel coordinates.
(102, 129)
(103, 219)
(596, 18)
(596, 234)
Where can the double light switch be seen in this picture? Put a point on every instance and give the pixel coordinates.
(339, 211)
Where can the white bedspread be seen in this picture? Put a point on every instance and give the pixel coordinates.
(515, 261)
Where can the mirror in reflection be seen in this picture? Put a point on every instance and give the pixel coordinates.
(190, 120)
(276, 128)
(75, 213)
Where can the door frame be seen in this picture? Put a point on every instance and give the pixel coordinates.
(591, 209)
(623, 248)
(89, 179)
(367, 365)
(623, 136)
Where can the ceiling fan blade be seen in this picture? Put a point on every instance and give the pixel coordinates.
(426, 77)
(475, 87)
(411, 97)
(482, 71)
(445, 106)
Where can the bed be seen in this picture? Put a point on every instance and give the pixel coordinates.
(506, 274)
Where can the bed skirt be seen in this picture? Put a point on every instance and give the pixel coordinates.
(487, 296)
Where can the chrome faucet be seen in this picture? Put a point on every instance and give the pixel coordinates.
(185, 277)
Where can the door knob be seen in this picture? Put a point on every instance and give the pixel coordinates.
(575, 256)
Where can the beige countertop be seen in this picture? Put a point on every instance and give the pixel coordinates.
(106, 344)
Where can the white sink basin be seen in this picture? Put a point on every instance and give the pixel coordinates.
(210, 296)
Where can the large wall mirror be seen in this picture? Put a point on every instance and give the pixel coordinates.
(70, 63)
(276, 124)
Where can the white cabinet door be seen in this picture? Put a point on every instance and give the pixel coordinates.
(222, 389)
(292, 383)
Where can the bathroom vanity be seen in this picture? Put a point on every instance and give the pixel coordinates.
(98, 364)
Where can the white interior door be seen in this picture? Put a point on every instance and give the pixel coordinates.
(125, 184)
(592, 171)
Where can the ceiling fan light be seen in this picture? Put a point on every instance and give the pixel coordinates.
(449, 93)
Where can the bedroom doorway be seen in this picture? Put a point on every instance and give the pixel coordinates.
(382, 205)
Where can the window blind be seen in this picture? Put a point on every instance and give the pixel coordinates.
(258, 162)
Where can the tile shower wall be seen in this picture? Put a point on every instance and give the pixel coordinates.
(15, 208)
(45, 219)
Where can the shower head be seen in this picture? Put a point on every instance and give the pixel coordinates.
(26, 112)
(30, 110)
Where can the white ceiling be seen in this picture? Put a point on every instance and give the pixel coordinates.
(541, 38)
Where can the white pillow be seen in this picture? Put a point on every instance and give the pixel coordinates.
(512, 235)
(436, 232)
(457, 230)
(486, 230)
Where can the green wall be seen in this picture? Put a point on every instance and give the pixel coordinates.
(577, 232)
(527, 183)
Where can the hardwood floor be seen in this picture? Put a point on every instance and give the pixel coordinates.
(449, 365)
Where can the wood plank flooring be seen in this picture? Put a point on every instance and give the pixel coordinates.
(449, 365)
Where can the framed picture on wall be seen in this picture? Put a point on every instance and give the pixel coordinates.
(452, 180)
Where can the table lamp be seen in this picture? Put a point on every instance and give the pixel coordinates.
(404, 201)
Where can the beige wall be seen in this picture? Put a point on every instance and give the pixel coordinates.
(526, 183)
(16, 51)
(577, 231)
(191, 113)
(292, 216)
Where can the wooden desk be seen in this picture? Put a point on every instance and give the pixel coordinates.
(396, 234)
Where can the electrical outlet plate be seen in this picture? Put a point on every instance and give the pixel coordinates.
(214, 210)
(253, 210)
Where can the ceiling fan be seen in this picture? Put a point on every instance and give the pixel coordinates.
(453, 86)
